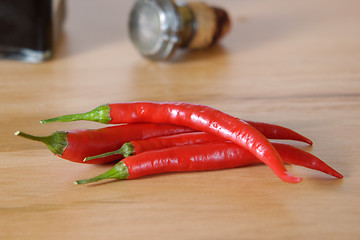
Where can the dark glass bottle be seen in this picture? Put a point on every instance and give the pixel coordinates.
(29, 29)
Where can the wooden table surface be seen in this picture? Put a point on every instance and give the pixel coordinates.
(296, 64)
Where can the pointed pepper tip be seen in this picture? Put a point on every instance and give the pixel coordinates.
(287, 177)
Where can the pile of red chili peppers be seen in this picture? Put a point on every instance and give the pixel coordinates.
(157, 137)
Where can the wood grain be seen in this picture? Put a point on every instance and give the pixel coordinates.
(291, 63)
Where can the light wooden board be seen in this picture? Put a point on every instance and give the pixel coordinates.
(296, 64)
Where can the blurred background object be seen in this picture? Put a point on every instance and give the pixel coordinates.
(30, 29)
(159, 27)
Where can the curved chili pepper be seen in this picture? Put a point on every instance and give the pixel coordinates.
(203, 157)
(289, 153)
(106, 139)
(75, 145)
(138, 146)
(272, 131)
(198, 117)
(296, 156)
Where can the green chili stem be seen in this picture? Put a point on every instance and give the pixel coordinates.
(32, 137)
(126, 150)
(119, 171)
(100, 114)
(56, 142)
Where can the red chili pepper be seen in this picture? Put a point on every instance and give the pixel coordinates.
(198, 117)
(138, 146)
(298, 157)
(202, 157)
(272, 131)
(77, 144)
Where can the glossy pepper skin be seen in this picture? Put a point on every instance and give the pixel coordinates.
(143, 145)
(198, 117)
(203, 157)
(272, 131)
(213, 156)
(138, 146)
(75, 145)
(288, 153)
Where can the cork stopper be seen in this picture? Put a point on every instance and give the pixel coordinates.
(223, 24)
(211, 24)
